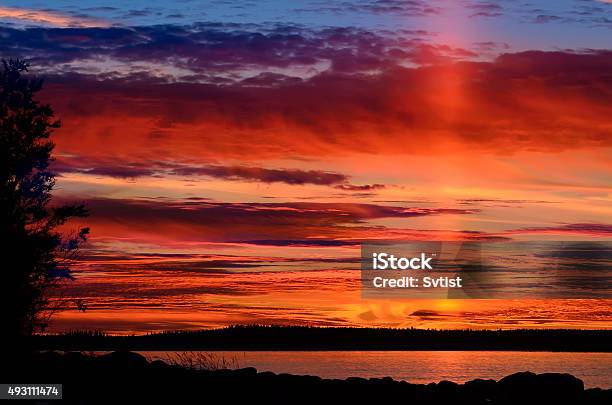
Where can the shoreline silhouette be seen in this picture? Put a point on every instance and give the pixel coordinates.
(288, 338)
(126, 377)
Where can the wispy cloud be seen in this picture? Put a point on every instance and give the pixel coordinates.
(24, 16)
(132, 170)
(278, 224)
(213, 51)
(587, 229)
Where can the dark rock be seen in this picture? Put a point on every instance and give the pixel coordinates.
(448, 385)
(356, 380)
(480, 388)
(123, 361)
(245, 372)
(266, 374)
(447, 391)
(48, 357)
(598, 396)
(159, 364)
(528, 387)
(134, 380)
(73, 356)
(561, 386)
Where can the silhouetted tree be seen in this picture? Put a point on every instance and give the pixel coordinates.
(36, 255)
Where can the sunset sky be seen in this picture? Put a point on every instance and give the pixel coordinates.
(234, 154)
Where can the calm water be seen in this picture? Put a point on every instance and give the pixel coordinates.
(595, 369)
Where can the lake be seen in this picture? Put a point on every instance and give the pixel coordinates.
(595, 369)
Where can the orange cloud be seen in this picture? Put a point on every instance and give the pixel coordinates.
(52, 18)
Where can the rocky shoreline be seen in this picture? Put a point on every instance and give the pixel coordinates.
(128, 377)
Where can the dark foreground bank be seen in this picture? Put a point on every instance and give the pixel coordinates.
(127, 377)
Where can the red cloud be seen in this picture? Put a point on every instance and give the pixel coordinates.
(535, 101)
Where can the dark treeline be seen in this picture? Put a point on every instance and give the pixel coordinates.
(315, 338)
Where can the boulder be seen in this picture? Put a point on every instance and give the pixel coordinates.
(527, 387)
(122, 361)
